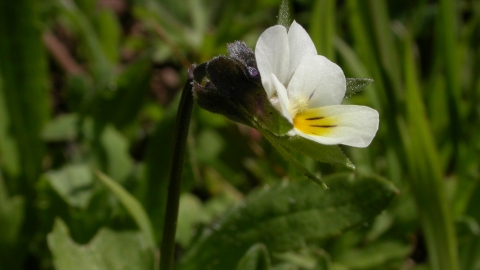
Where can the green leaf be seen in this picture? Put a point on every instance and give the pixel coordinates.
(324, 153)
(292, 159)
(62, 128)
(256, 258)
(355, 85)
(322, 27)
(303, 259)
(288, 145)
(98, 62)
(157, 160)
(73, 183)
(190, 213)
(24, 72)
(116, 147)
(12, 210)
(375, 256)
(133, 207)
(107, 250)
(8, 146)
(287, 216)
(427, 181)
(127, 92)
(109, 33)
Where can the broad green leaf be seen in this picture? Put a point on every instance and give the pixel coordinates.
(302, 259)
(12, 212)
(375, 256)
(116, 147)
(133, 207)
(62, 128)
(190, 214)
(287, 216)
(256, 258)
(355, 85)
(73, 183)
(107, 250)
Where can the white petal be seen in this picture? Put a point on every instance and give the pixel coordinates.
(272, 55)
(282, 97)
(340, 124)
(318, 81)
(300, 46)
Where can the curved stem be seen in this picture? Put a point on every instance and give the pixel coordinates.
(174, 187)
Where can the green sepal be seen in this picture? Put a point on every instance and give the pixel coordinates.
(356, 85)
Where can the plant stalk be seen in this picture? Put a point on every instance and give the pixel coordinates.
(180, 134)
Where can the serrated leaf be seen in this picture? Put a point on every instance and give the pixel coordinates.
(355, 85)
(256, 258)
(73, 183)
(107, 250)
(133, 207)
(287, 216)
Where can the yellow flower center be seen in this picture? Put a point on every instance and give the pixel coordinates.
(314, 122)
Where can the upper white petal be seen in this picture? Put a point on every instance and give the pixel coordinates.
(354, 125)
(300, 45)
(282, 97)
(319, 81)
(272, 55)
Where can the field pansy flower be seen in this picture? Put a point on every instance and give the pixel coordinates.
(308, 88)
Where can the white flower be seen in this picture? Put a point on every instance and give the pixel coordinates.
(308, 88)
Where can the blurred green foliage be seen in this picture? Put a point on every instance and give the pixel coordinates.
(90, 86)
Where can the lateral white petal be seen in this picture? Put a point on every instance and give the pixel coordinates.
(319, 81)
(272, 55)
(300, 45)
(347, 124)
(282, 97)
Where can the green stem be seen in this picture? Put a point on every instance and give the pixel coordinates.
(174, 187)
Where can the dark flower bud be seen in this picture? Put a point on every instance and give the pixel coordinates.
(231, 86)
